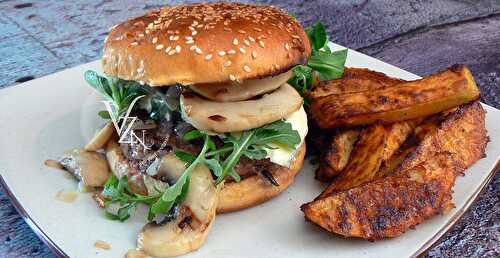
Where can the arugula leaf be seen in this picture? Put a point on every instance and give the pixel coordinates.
(176, 193)
(323, 63)
(328, 66)
(185, 156)
(253, 144)
(317, 36)
(118, 192)
(120, 92)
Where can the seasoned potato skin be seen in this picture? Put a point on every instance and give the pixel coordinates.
(335, 154)
(404, 101)
(419, 189)
(376, 144)
(386, 207)
(355, 80)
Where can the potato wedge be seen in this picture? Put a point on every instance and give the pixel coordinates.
(376, 144)
(419, 189)
(420, 98)
(387, 207)
(462, 133)
(335, 154)
(355, 80)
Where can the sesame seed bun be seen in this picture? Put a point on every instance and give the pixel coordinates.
(205, 43)
(254, 190)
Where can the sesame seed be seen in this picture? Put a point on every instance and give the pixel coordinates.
(190, 42)
(242, 31)
(199, 26)
(247, 68)
(160, 46)
(231, 51)
(254, 54)
(194, 32)
(246, 42)
(168, 49)
(242, 50)
(227, 63)
(222, 53)
(134, 43)
(287, 47)
(227, 29)
(171, 52)
(146, 31)
(232, 78)
(208, 57)
(188, 38)
(295, 37)
(141, 35)
(155, 39)
(178, 49)
(251, 38)
(195, 22)
(191, 28)
(193, 47)
(198, 50)
(261, 43)
(235, 41)
(257, 29)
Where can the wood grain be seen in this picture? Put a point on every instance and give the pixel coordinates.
(42, 37)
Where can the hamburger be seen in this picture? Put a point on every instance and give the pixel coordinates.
(218, 70)
(204, 115)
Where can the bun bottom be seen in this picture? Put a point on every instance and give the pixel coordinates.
(254, 190)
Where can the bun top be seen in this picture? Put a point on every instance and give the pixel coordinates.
(205, 43)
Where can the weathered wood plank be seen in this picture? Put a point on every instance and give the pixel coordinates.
(41, 37)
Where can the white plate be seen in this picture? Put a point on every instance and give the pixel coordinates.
(41, 118)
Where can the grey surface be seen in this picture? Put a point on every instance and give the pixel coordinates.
(42, 37)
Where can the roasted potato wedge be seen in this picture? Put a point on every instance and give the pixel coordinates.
(376, 144)
(462, 133)
(404, 101)
(335, 154)
(387, 207)
(418, 189)
(355, 80)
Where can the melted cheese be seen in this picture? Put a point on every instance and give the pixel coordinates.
(284, 156)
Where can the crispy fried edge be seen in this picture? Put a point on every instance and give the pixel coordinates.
(376, 144)
(420, 98)
(335, 155)
(322, 211)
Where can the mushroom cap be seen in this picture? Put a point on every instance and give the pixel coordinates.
(205, 43)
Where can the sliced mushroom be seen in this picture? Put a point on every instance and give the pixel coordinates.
(101, 138)
(235, 91)
(188, 231)
(139, 183)
(90, 168)
(221, 117)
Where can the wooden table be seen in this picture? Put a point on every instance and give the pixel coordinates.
(42, 37)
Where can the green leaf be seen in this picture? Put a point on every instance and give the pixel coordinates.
(177, 192)
(191, 135)
(279, 132)
(185, 156)
(329, 66)
(104, 114)
(317, 36)
(323, 62)
(214, 165)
